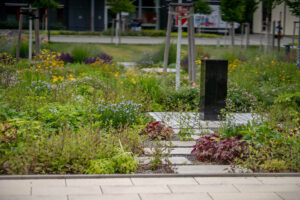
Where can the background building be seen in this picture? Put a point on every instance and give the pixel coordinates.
(279, 13)
(85, 15)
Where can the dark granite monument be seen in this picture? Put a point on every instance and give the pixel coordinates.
(213, 88)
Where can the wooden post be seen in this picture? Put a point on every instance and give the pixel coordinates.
(190, 57)
(112, 31)
(247, 35)
(242, 34)
(168, 39)
(294, 33)
(273, 35)
(37, 35)
(278, 36)
(193, 49)
(19, 37)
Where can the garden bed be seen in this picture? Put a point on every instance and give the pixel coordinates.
(81, 114)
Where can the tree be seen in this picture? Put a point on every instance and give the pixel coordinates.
(119, 6)
(232, 11)
(294, 6)
(295, 9)
(202, 7)
(42, 3)
(250, 7)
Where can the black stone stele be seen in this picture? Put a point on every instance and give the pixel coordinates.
(213, 88)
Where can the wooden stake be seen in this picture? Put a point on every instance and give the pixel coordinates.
(19, 38)
(168, 39)
(37, 35)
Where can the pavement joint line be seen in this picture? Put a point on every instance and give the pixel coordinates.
(209, 196)
(259, 180)
(131, 181)
(170, 189)
(196, 181)
(30, 190)
(84, 176)
(236, 188)
(68, 198)
(140, 197)
(66, 184)
(101, 190)
(279, 196)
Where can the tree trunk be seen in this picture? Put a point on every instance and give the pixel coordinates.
(298, 64)
(117, 28)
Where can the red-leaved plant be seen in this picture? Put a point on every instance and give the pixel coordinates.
(221, 150)
(157, 130)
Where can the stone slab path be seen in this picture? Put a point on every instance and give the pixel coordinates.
(177, 188)
(193, 121)
(179, 152)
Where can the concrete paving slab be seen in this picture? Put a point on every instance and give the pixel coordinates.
(244, 196)
(227, 180)
(159, 70)
(179, 143)
(279, 180)
(202, 188)
(98, 181)
(14, 190)
(194, 169)
(15, 183)
(164, 181)
(173, 151)
(135, 189)
(267, 188)
(54, 197)
(105, 197)
(184, 196)
(49, 182)
(192, 120)
(289, 195)
(50, 190)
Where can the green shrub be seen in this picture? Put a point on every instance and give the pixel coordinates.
(55, 116)
(182, 99)
(80, 53)
(24, 49)
(101, 166)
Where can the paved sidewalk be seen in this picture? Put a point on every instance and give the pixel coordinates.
(255, 39)
(185, 188)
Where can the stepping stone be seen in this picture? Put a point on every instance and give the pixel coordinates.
(174, 160)
(159, 70)
(174, 151)
(179, 143)
(196, 131)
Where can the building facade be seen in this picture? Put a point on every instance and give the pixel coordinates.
(91, 15)
(279, 13)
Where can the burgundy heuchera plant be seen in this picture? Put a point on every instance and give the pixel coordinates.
(157, 130)
(221, 150)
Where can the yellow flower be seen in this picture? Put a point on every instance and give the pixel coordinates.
(54, 79)
(61, 78)
(133, 81)
(198, 62)
(122, 82)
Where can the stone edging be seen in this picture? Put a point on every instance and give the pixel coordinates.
(84, 176)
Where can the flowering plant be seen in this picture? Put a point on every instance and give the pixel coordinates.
(118, 114)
